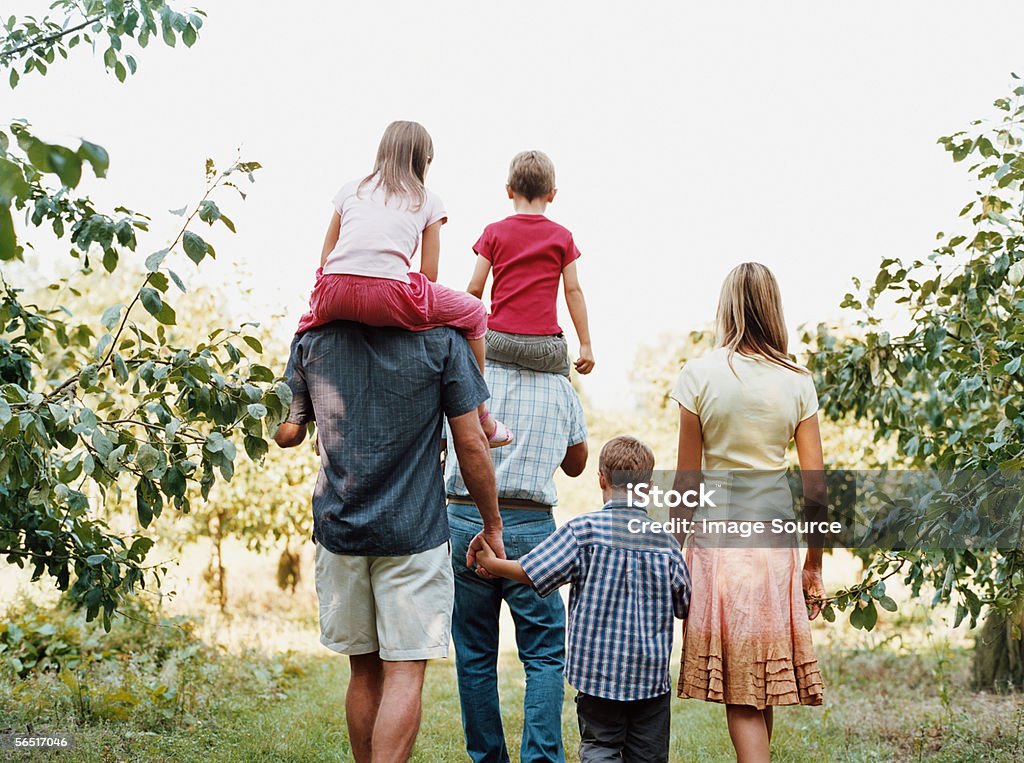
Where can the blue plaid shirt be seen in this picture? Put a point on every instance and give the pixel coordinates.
(378, 396)
(546, 417)
(626, 587)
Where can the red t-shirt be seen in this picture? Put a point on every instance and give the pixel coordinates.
(527, 255)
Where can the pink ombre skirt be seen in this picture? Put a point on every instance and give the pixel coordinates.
(417, 305)
(747, 640)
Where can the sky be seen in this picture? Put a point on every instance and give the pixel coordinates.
(687, 137)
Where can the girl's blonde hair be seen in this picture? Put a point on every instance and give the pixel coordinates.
(404, 153)
(750, 319)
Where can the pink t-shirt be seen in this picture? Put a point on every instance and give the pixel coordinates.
(378, 238)
(527, 255)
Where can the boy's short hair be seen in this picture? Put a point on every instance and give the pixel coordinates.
(625, 459)
(531, 175)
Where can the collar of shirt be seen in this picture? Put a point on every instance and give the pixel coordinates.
(621, 503)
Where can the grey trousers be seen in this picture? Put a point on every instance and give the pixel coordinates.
(632, 732)
(548, 354)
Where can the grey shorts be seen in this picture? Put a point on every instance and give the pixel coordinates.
(400, 606)
(546, 353)
(634, 732)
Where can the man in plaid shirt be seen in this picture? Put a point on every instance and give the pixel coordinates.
(628, 585)
(546, 414)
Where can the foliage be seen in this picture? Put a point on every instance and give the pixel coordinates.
(36, 43)
(948, 389)
(113, 406)
(149, 669)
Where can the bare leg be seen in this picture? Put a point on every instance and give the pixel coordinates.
(398, 720)
(479, 348)
(749, 733)
(362, 703)
(769, 720)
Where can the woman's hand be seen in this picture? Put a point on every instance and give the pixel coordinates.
(814, 591)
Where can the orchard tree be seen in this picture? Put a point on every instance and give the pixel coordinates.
(949, 392)
(90, 408)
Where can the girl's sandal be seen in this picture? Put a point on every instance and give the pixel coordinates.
(501, 436)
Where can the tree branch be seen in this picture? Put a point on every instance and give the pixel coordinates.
(7, 55)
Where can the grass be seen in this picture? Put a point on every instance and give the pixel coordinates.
(882, 706)
(256, 686)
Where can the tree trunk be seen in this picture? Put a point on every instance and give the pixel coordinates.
(999, 652)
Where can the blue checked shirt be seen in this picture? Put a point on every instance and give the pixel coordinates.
(546, 417)
(626, 588)
(378, 396)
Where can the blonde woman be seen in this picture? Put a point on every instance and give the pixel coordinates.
(747, 642)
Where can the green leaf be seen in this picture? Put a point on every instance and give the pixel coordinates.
(177, 281)
(156, 259)
(95, 559)
(12, 182)
(887, 604)
(9, 249)
(209, 212)
(195, 247)
(151, 301)
(869, 616)
(120, 368)
(188, 36)
(66, 164)
(257, 410)
(254, 343)
(148, 457)
(167, 316)
(215, 442)
(111, 316)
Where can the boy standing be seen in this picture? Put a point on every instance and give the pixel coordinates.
(529, 254)
(627, 583)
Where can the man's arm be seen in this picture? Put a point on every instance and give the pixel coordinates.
(474, 455)
(293, 431)
(575, 460)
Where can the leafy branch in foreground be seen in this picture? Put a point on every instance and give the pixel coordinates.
(950, 389)
(112, 408)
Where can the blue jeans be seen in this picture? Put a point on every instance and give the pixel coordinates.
(540, 638)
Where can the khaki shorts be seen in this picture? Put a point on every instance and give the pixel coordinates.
(400, 606)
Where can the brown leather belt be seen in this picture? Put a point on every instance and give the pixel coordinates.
(503, 503)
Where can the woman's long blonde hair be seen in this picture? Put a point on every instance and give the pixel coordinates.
(750, 319)
(404, 153)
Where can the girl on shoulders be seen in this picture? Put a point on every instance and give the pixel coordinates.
(365, 272)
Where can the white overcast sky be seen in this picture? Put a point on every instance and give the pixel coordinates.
(687, 136)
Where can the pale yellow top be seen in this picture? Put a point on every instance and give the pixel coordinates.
(747, 417)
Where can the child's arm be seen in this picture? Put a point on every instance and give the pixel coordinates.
(578, 312)
(503, 568)
(430, 251)
(479, 278)
(331, 239)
